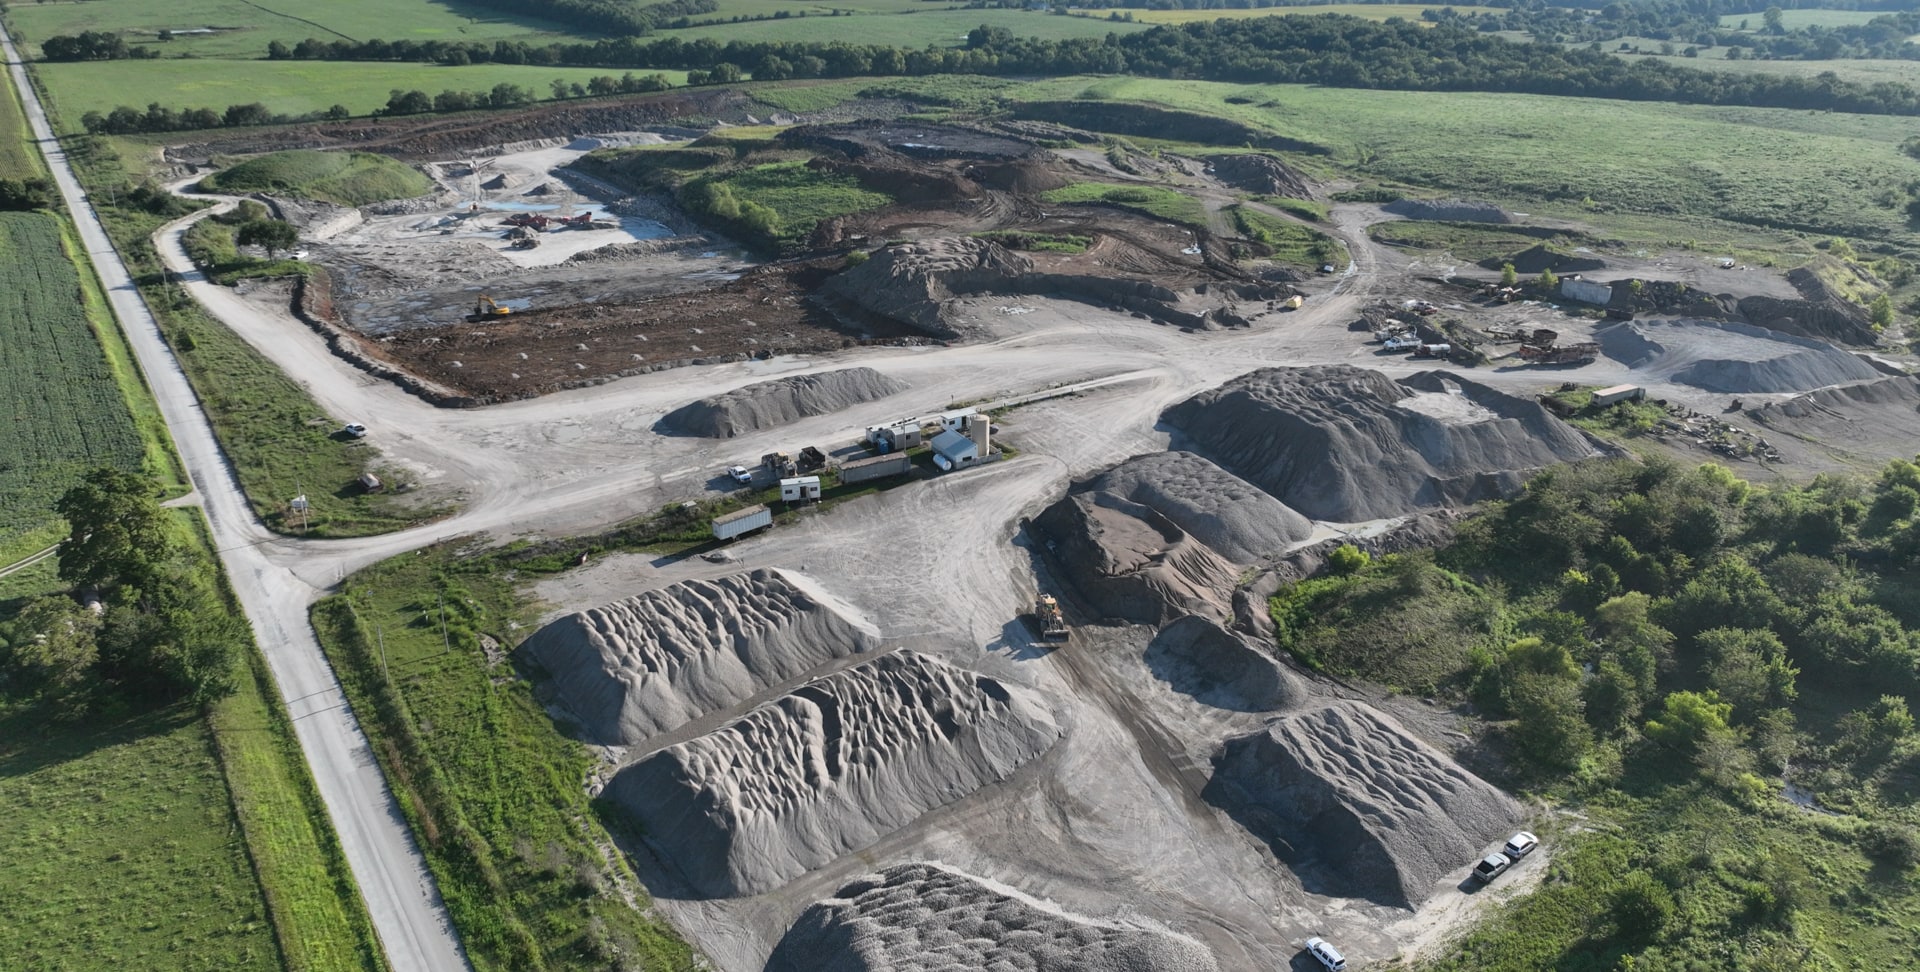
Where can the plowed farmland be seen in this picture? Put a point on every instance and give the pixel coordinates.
(63, 412)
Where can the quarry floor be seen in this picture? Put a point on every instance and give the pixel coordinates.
(1108, 821)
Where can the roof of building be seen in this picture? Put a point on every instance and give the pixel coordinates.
(952, 444)
(741, 514)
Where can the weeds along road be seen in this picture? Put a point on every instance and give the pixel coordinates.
(407, 913)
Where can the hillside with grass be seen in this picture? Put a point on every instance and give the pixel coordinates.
(346, 178)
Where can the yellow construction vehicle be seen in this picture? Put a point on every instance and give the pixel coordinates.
(487, 307)
(1053, 624)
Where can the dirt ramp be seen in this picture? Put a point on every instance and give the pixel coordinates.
(1221, 510)
(1129, 562)
(1719, 356)
(769, 403)
(827, 770)
(1356, 805)
(932, 918)
(1348, 444)
(648, 664)
(1201, 659)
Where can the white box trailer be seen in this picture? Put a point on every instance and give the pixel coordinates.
(800, 489)
(740, 522)
(876, 467)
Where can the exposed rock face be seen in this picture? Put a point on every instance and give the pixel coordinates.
(1130, 562)
(1722, 356)
(1356, 804)
(932, 918)
(1261, 174)
(1451, 210)
(769, 403)
(1199, 658)
(828, 769)
(648, 664)
(1221, 510)
(1347, 444)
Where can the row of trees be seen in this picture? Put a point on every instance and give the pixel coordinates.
(92, 45)
(19, 195)
(1324, 49)
(605, 16)
(126, 120)
(163, 631)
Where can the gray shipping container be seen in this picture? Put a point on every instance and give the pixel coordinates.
(741, 521)
(876, 467)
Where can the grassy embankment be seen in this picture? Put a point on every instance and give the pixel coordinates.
(1653, 649)
(1291, 243)
(344, 178)
(280, 442)
(1168, 204)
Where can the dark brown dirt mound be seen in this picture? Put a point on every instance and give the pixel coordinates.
(1534, 259)
(1347, 444)
(1129, 562)
(1356, 805)
(1260, 173)
(766, 404)
(827, 770)
(931, 918)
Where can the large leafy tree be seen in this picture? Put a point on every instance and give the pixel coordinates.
(117, 534)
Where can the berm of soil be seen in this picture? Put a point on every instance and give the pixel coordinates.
(770, 403)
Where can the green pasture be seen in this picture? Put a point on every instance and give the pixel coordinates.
(242, 29)
(349, 179)
(1365, 11)
(1797, 19)
(939, 28)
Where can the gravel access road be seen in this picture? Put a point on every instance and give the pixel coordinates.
(407, 912)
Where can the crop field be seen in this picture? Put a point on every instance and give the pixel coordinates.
(64, 411)
(241, 29)
(1365, 11)
(121, 850)
(939, 28)
(1766, 167)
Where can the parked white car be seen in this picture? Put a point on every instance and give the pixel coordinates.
(354, 430)
(1328, 956)
(1520, 845)
(740, 474)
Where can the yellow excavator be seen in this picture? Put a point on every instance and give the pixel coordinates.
(487, 307)
(1053, 625)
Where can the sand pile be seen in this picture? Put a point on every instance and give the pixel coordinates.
(647, 664)
(828, 769)
(1347, 444)
(1356, 804)
(1219, 509)
(1199, 658)
(1451, 210)
(1719, 356)
(931, 918)
(911, 282)
(769, 403)
(1260, 174)
(1129, 562)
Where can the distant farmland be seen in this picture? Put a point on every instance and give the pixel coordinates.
(64, 413)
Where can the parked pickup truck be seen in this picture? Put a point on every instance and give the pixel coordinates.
(1490, 867)
(1404, 342)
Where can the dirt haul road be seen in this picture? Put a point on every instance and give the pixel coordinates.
(399, 892)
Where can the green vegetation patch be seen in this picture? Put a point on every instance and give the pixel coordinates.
(778, 204)
(1039, 242)
(493, 791)
(64, 408)
(18, 160)
(1166, 204)
(346, 178)
(1400, 620)
(1285, 240)
(121, 849)
(1303, 208)
(1472, 242)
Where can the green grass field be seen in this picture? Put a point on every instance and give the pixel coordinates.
(1817, 171)
(493, 790)
(17, 157)
(64, 410)
(347, 178)
(244, 29)
(1797, 19)
(1365, 11)
(122, 851)
(1866, 72)
(939, 28)
(1167, 204)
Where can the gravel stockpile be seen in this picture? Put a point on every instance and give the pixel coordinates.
(1221, 510)
(1199, 658)
(1873, 420)
(1348, 444)
(647, 664)
(931, 918)
(1130, 562)
(1356, 804)
(770, 403)
(828, 769)
(1719, 356)
(912, 282)
(1451, 210)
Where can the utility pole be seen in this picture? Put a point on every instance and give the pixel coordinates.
(385, 672)
(444, 642)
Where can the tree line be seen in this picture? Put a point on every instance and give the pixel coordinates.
(1326, 49)
(93, 45)
(604, 16)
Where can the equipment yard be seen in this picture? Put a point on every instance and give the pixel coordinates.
(1036, 703)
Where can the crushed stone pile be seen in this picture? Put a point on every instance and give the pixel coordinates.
(1201, 659)
(769, 403)
(1450, 210)
(1720, 356)
(925, 917)
(1261, 174)
(651, 663)
(1356, 805)
(1130, 562)
(911, 282)
(1221, 510)
(1875, 420)
(1349, 444)
(828, 769)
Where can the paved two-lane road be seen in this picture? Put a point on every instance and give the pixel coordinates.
(399, 892)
